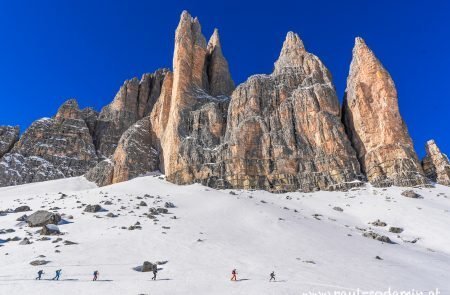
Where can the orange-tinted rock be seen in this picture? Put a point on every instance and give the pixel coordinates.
(134, 100)
(436, 164)
(374, 124)
(284, 131)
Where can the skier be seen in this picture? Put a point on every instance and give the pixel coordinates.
(58, 273)
(96, 273)
(233, 275)
(40, 273)
(272, 276)
(155, 271)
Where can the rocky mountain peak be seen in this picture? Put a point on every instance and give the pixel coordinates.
(68, 110)
(291, 54)
(436, 164)
(374, 124)
(219, 77)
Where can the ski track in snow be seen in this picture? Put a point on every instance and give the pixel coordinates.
(215, 231)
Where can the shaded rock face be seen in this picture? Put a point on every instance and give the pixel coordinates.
(134, 100)
(135, 155)
(190, 122)
(374, 125)
(50, 148)
(284, 131)
(436, 164)
(102, 173)
(9, 135)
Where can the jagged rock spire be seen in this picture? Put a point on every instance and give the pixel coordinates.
(68, 110)
(374, 124)
(436, 164)
(219, 77)
(291, 53)
(189, 55)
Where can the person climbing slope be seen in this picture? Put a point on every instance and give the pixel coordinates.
(40, 273)
(272, 276)
(96, 274)
(58, 273)
(233, 275)
(155, 272)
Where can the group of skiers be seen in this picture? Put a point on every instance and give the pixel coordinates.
(58, 274)
(234, 275)
(155, 272)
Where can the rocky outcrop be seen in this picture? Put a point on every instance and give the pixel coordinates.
(374, 124)
(134, 100)
(135, 155)
(284, 131)
(436, 164)
(190, 122)
(102, 173)
(219, 77)
(50, 148)
(42, 218)
(9, 135)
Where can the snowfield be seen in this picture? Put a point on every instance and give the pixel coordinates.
(313, 241)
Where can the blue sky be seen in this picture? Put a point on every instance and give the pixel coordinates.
(54, 50)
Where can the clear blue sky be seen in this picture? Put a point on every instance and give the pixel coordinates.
(54, 50)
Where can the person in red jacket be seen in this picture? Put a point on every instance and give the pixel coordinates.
(233, 275)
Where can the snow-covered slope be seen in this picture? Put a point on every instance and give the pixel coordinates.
(215, 231)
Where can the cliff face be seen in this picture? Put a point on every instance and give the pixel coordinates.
(190, 121)
(375, 126)
(284, 131)
(278, 132)
(436, 164)
(134, 100)
(9, 135)
(51, 148)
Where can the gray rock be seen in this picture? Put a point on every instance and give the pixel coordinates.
(25, 241)
(92, 208)
(396, 230)
(9, 135)
(169, 205)
(411, 194)
(39, 262)
(379, 223)
(42, 218)
(148, 266)
(50, 229)
(22, 209)
(377, 237)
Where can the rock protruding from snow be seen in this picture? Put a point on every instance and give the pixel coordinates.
(375, 126)
(436, 164)
(42, 218)
(51, 148)
(284, 131)
(9, 135)
(135, 155)
(134, 100)
(93, 208)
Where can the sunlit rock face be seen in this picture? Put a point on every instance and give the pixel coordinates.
(51, 148)
(375, 126)
(284, 131)
(436, 164)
